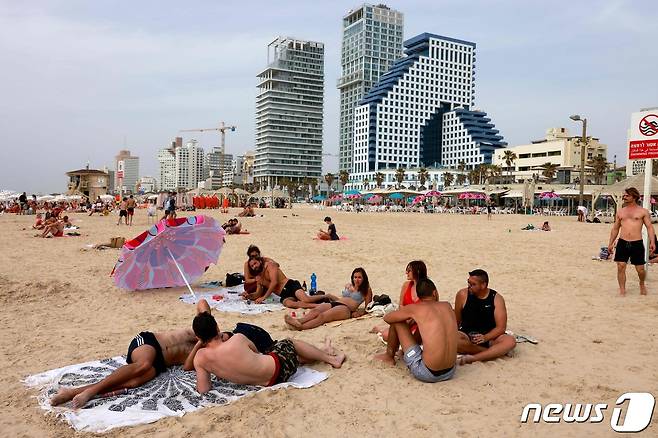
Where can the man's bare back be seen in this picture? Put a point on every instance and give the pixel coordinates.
(176, 345)
(438, 329)
(238, 361)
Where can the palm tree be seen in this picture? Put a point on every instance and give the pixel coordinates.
(493, 171)
(600, 166)
(343, 177)
(549, 171)
(379, 179)
(448, 178)
(313, 182)
(365, 183)
(329, 178)
(423, 174)
(509, 157)
(473, 176)
(399, 176)
(461, 177)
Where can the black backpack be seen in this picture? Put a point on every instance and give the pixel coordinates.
(234, 279)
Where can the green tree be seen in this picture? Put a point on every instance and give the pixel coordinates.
(423, 174)
(343, 177)
(448, 178)
(493, 171)
(329, 178)
(599, 168)
(379, 179)
(550, 170)
(399, 176)
(509, 157)
(365, 183)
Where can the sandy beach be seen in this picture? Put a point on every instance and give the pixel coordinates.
(60, 307)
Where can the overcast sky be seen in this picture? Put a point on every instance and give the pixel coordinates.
(79, 78)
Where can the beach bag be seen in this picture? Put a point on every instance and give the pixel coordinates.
(234, 279)
(604, 254)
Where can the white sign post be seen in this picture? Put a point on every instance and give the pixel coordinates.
(644, 145)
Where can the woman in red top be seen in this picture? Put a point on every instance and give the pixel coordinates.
(416, 270)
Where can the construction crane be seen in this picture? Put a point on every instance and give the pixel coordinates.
(222, 128)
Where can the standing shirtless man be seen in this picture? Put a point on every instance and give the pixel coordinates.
(271, 279)
(628, 226)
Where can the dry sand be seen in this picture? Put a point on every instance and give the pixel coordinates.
(59, 307)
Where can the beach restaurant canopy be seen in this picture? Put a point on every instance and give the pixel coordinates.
(264, 194)
(616, 190)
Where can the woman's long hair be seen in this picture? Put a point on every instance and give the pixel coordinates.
(365, 284)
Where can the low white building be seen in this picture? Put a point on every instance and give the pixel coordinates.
(558, 147)
(435, 179)
(148, 184)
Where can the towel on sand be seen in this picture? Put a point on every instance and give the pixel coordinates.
(172, 393)
(231, 301)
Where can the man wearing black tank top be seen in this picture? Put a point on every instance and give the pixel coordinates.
(482, 321)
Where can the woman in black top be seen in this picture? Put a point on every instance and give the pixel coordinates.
(330, 234)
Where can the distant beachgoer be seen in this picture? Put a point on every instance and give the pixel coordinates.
(123, 211)
(225, 205)
(272, 280)
(330, 234)
(437, 332)
(247, 212)
(130, 209)
(582, 213)
(38, 224)
(233, 226)
(416, 270)
(237, 360)
(251, 281)
(482, 321)
(489, 210)
(56, 227)
(628, 227)
(356, 292)
(545, 226)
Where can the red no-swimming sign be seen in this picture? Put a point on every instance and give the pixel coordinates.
(644, 136)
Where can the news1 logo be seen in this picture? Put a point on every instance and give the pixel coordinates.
(638, 412)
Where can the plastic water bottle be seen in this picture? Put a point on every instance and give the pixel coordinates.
(314, 283)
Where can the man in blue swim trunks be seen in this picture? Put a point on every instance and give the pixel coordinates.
(437, 328)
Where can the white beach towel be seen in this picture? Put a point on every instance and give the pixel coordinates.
(170, 394)
(233, 302)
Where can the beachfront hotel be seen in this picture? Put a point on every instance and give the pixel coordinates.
(557, 147)
(419, 113)
(289, 112)
(372, 41)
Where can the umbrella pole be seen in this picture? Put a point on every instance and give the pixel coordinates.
(181, 273)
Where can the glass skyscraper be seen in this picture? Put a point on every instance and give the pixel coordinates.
(289, 112)
(372, 41)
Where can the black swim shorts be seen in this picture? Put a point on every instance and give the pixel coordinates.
(289, 290)
(148, 338)
(630, 250)
(261, 339)
(123, 213)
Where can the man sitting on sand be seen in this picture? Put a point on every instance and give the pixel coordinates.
(330, 234)
(437, 331)
(271, 279)
(238, 360)
(233, 226)
(482, 321)
(251, 281)
(247, 212)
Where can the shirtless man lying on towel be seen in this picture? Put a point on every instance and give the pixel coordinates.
(239, 361)
(149, 354)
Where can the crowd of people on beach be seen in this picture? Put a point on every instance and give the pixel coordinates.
(429, 335)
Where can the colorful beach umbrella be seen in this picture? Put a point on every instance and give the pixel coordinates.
(173, 252)
(432, 193)
(319, 198)
(352, 192)
(397, 196)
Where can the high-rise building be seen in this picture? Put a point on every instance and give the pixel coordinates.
(248, 168)
(217, 162)
(372, 41)
(419, 113)
(126, 173)
(189, 165)
(289, 114)
(167, 160)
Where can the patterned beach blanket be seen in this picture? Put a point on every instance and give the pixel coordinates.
(172, 393)
(228, 299)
